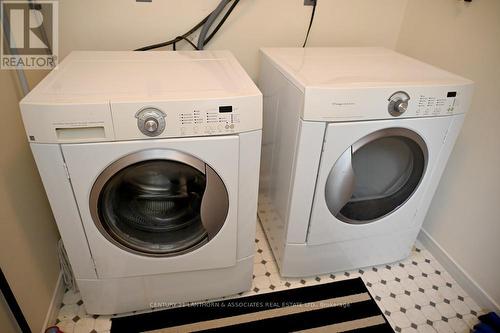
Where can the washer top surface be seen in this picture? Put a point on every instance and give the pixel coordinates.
(101, 76)
(355, 67)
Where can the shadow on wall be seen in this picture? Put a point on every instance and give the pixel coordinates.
(30, 207)
(28, 233)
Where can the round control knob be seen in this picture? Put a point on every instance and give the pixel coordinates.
(151, 125)
(401, 107)
(398, 103)
(151, 121)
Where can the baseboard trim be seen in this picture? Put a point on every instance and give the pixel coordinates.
(457, 272)
(55, 302)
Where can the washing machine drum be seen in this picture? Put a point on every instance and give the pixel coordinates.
(154, 208)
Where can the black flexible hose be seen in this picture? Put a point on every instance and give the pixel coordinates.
(193, 29)
(190, 42)
(310, 22)
(177, 39)
(211, 19)
(235, 2)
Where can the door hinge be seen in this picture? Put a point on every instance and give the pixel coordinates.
(66, 170)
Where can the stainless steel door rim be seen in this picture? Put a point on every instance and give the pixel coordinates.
(212, 211)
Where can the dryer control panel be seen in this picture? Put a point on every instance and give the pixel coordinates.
(386, 103)
(424, 105)
(431, 105)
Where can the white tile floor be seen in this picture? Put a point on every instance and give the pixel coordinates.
(416, 294)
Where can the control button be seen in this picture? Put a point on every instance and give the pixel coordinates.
(398, 103)
(401, 107)
(151, 125)
(151, 121)
(232, 126)
(226, 127)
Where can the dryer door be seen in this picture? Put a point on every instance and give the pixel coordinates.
(159, 202)
(376, 175)
(372, 178)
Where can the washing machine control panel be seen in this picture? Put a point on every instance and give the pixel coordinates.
(223, 119)
(186, 118)
(151, 121)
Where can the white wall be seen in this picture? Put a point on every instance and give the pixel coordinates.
(464, 219)
(125, 25)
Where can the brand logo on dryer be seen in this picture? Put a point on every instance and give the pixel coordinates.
(341, 104)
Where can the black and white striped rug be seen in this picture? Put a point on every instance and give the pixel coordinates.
(344, 306)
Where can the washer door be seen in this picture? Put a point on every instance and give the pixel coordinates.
(159, 203)
(376, 175)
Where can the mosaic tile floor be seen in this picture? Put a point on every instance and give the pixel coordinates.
(416, 294)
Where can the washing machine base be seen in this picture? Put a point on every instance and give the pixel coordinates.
(112, 296)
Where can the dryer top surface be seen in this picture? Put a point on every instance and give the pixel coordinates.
(355, 67)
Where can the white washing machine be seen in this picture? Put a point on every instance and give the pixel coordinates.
(355, 141)
(150, 162)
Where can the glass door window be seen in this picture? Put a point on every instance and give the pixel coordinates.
(154, 206)
(376, 175)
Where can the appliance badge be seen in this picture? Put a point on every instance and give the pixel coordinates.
(340, 104)
(344, 106)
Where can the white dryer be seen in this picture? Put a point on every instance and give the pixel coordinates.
(355, 141)
(150, 162)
